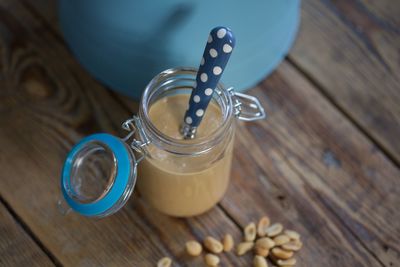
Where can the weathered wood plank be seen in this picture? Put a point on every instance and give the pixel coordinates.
(310, 168)
(46, 8)
(379, 34)
(16, 247)
(386, 12)
(355, 60)
(47, 103)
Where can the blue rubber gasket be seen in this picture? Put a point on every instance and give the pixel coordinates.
(121, 180)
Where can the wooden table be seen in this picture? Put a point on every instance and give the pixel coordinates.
(325, 162)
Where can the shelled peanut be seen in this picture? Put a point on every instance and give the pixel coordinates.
(211, 259)
(260, 261)
(193, 248)
(250, 232)
(262, 226)
(213, 245)
(227, 242)
(244, 247)
(164, 262)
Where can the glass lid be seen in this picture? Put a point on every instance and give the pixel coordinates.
(98, 176)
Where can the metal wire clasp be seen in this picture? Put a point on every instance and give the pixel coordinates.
(246, 107)
(134, 125)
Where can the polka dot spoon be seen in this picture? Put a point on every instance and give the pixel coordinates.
(216, 54)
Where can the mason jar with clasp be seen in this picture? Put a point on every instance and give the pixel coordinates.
(176, 176)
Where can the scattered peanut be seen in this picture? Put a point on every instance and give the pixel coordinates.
(265, 242)
(250, 232)
(293, 245)
(227, 242)
(262, 225)
(281, 253)
(193, 248)
(289, 262)
(244, 247)
(213, 245)
(274, 230)
(260, 261)
(292, 234)
(211, 259)
(260, 251)
(164, 262)
(281, 239)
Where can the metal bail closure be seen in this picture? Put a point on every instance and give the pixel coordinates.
(247, 108)
(99, 175)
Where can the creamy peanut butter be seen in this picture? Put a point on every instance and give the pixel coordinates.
(184, 185)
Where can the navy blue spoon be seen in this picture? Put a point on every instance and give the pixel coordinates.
(218, 50)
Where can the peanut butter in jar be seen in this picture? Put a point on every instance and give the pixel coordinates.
(189, 184)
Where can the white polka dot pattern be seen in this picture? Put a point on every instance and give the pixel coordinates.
(217, 70)
(221, 33)
(208, 91)
(199, 112)
(227, 48)
(196, 99)
(217, 52)
(204, 77)
(213, 52)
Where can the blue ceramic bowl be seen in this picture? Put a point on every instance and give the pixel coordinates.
(124, 43)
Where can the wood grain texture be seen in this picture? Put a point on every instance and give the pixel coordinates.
(380, 34)
(47, 103)
(354, 57)
(309, 167)
(16, 247)
(385, 11)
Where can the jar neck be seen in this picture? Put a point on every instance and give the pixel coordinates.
(182, 81)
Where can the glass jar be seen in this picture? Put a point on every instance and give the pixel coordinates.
(177, 177)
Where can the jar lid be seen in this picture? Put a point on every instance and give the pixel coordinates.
(98, 175)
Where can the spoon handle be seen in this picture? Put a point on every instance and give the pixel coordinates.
(217, 52)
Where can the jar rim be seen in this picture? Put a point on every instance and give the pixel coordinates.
(184, 147)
